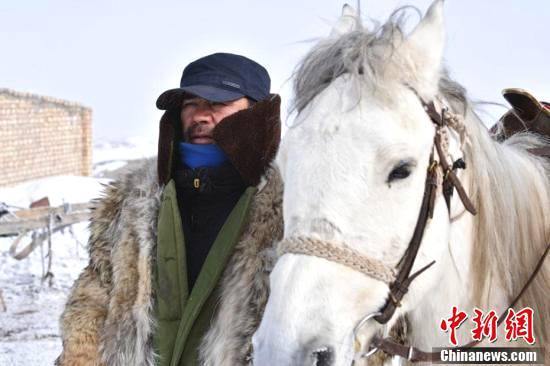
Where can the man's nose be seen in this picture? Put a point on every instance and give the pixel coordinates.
(203, 113)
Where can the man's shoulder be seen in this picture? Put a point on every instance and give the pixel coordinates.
(141, 179)
(135, 185)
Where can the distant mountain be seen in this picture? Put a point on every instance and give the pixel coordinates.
(105, 151)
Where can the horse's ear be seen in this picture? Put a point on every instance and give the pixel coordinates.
(349, 20)
(425, 48)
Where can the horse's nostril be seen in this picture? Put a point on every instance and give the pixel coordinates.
(323, 356)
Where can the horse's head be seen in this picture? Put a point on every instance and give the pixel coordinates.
(354, 166)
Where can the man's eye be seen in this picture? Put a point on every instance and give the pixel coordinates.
(189, 104)
(218, 104)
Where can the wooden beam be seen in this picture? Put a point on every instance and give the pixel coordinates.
(37, 218)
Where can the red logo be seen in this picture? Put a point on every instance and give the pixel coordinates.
(520, 325)
(485, 326)
(516, 324)
(453, 323)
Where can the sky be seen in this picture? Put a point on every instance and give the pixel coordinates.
(118, 56)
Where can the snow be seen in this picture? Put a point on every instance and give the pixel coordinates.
(58, 189)
(29, 326)
(130, 149)
(29, 331)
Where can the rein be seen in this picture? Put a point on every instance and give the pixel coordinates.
(400, 278)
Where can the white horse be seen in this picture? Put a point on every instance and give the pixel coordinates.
(354, 165)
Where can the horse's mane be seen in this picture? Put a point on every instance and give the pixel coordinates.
(509, 186)
(511, 189)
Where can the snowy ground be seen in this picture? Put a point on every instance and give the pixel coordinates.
(29, 331)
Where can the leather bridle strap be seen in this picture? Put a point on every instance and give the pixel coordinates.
(414, 354)
(403, 279)
(540, 151)
(400, 286)
(451, 179)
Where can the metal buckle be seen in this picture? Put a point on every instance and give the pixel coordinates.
(396, 302)
(432, 166)
(410, 355)
(446, 175)
(359, 325)
(371, 352)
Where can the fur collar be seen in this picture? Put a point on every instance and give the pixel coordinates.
(250, 139)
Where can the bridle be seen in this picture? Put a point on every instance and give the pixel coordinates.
(400, 278)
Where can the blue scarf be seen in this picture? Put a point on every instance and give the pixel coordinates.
(200, 155)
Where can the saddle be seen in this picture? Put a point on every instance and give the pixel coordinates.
(527, 114)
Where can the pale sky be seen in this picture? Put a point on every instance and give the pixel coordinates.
(118, 56)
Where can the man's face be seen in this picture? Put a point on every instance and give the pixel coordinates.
(199, 117)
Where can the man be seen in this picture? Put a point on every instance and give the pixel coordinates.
(179, 250)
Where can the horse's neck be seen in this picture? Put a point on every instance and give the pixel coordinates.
(454, 288)
(455, 281)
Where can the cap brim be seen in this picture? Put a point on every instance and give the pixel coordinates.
(172, 98)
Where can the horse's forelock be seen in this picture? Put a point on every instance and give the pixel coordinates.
(357, 53)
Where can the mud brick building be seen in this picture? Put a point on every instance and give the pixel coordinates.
(42, 136)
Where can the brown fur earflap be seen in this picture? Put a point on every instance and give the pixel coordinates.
(169, 134)
(251, 137)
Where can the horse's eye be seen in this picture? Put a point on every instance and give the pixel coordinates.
(401, 171)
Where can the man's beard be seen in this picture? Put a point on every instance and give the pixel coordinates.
(198, 130)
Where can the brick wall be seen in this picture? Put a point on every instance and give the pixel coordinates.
(42, 136)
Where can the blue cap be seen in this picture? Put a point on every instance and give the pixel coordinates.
(220, 77)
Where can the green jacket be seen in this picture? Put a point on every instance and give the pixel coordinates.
(183, 318)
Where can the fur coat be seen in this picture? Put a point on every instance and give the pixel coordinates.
(108, 319)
